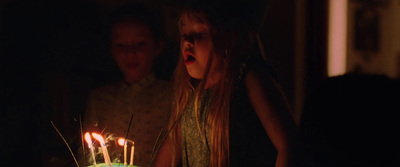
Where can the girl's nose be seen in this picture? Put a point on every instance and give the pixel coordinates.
(188, 41)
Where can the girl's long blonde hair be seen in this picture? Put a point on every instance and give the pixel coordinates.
(233, 43)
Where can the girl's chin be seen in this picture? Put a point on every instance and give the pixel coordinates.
(195, 75)
(134, 77)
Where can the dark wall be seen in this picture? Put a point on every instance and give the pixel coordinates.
(277, 35)
(52, 54)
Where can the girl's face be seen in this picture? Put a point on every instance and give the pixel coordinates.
(134, 49)
(196, 44)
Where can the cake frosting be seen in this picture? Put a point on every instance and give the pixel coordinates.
(113, 165)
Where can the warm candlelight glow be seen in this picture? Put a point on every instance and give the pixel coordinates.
(122, 142)
(99, 138)
(90, 145)
(103, 147)
(132, 153)
(88, 139)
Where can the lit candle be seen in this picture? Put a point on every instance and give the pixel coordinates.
(122, 142)
(132, 153)
(90, 144)
(103, 147)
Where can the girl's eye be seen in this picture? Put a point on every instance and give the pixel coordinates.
(194, 36)
(203, 35)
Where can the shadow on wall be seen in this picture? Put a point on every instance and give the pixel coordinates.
(350, 120)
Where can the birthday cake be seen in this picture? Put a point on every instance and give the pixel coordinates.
(105, 154)
(99, 153)
(113, 165)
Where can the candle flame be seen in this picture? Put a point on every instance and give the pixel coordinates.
(121, 141)
(99, 138)
(88, 139)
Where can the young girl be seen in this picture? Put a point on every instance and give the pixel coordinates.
(229, 110)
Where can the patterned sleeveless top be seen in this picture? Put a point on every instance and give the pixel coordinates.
(195, 148)
(249, 144)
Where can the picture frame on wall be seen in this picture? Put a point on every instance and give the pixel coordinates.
(367, 28)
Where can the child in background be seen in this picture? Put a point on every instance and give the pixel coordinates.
(229, 109)
(137, 41)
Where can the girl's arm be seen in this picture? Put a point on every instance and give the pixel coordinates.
(165, 154)
(273, 111)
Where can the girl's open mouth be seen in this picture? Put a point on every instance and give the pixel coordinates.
(189, 58)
